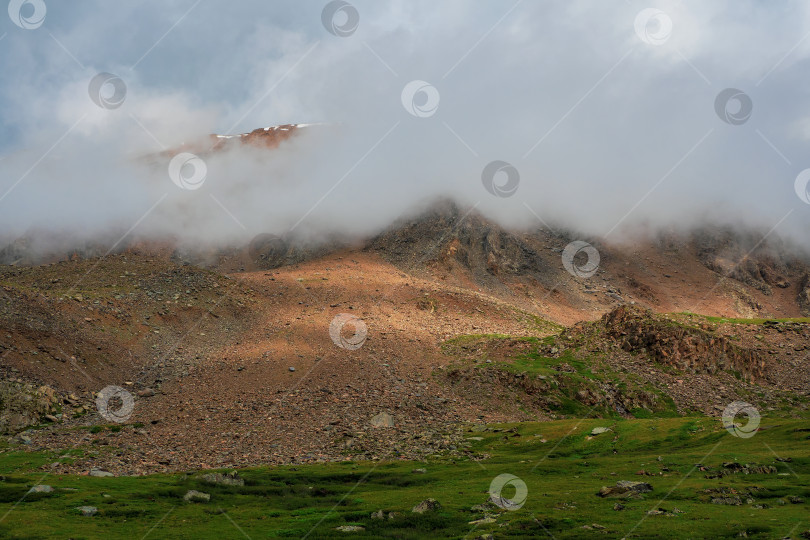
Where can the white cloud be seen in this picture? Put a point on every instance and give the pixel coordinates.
(618, 118)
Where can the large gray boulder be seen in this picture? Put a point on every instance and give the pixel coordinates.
(625, 488)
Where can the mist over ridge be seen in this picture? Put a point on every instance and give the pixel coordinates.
(609, 134)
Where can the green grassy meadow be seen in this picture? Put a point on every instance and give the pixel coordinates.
(562, 466)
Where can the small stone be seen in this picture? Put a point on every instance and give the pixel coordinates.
(193, 495)
(146, 392)
(51, 418)
(41, 488)
(379, 514)
(599, 430)
(100, 473)
(483, 521)
(292, 368)
(618, 506)
(419, 471)
(87, 510)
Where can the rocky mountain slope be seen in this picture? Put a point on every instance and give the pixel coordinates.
(283, 350)
(246, 369)
(711, 271)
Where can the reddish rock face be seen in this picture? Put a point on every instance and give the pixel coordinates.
(269, 137)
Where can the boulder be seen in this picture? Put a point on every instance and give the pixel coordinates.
(731, 501)
(625, 488)
(428, 505)
(228, 479)
(23, 405)
(350, 528)
(382, 420)
(23, 438)
(87, 510)
(502, 502)
(196, 496)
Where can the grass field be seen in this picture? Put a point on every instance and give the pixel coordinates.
(562, 466)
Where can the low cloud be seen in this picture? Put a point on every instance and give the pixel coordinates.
(610, 131)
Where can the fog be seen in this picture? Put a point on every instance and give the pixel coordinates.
(607, 115)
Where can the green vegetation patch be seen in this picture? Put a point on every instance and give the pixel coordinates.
(561, 463)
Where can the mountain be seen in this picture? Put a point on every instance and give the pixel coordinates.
(285, 350)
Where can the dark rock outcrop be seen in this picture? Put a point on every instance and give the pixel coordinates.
(681, 346)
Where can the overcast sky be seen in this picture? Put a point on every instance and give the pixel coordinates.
(607, 113)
